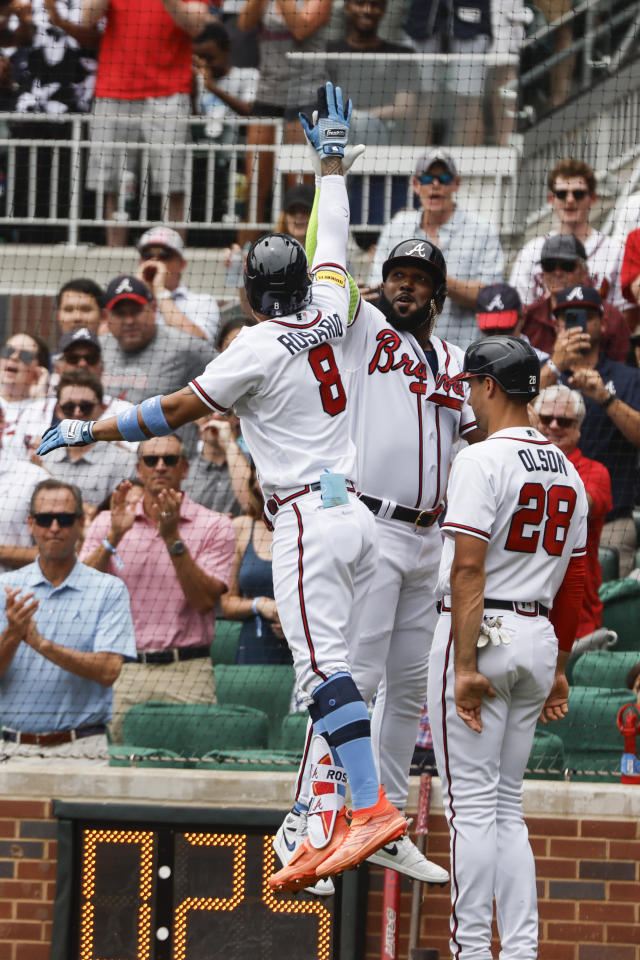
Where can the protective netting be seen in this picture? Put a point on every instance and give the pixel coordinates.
(143, 146)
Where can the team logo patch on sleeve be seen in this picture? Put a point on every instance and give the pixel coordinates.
(330, 275)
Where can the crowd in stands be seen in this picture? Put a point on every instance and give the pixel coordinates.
(176, 520)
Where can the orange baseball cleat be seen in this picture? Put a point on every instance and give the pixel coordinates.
(370, 829)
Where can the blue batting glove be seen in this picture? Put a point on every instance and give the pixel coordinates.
(68, 433)
(330, 135)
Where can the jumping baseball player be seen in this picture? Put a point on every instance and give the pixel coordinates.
(511, 578)
(404, 436)
(283, 378)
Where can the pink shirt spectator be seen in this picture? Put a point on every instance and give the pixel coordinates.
(162, 618)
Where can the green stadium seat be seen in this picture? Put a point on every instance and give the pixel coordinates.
(121, 755)
(636, 520)
(623, 616)
(294, 728)
(194, 729)
(546, 760)
(603, 668)
(267, 687)
(636, 559)
(592, 743)
(225, 641)
(609, 563)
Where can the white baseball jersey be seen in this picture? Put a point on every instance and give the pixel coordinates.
(404, 420)
(519, 492)
(283, 378)
(604, 261)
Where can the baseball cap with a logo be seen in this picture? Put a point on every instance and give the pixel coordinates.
(126, 287)
(73, 337)
(498, 307)
(562, 246)
(579, 296)
(425, 160)
(162, 237)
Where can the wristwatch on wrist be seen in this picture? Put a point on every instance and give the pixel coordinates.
(177, 548)
(165, 295)
(607, 403)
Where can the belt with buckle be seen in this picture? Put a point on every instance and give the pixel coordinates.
(173, 655)
(419, 518)
(55, 738)
(526, 608)
(274, 503)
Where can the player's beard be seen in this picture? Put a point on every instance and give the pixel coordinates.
(422, 317)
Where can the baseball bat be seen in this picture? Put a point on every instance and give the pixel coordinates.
(422, 829)
(390, 915)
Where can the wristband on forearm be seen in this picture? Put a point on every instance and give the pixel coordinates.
(554, 370)
(153, 417)
(114, 553)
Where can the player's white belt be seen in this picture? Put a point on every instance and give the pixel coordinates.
(274, 503)
(526, 608)
(388, 510)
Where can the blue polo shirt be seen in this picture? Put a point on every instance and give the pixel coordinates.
(89, 611)
(601, 440)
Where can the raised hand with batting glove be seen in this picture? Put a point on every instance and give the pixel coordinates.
(67, 433)
(330, 134)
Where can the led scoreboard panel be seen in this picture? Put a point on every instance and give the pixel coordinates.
(189, 886)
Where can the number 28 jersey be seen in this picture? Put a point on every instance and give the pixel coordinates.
(519, 492)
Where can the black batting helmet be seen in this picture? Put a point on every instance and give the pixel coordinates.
(425, 256)
(510, 361)
(276, 275)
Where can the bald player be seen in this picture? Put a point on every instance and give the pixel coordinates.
(515, 544)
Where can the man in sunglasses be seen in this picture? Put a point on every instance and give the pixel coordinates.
(24, 375)
(470, 247)
(161, 266)
(558, 413)
(49, 630)
(175, 557)
(572, 194)
(563, 263)
(611, 391)
(95, 469)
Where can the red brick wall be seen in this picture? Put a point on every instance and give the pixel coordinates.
(588, 884)
(27, 878)
(588, 889)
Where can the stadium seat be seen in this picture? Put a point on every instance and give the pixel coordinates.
(636, 559)
(546, 760)
(225, 641)
(266, 687)
(194, 729)
(292, 735)
(603, 668)
(636, 520)
(593, 744)
(623, 615)
(609, 563)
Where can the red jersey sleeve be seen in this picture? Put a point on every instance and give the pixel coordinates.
(630, 264)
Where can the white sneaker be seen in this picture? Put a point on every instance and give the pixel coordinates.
(291, 833)
(403, 855)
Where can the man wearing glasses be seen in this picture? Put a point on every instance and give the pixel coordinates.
(59, 655)
(175, 557)
(24, 374)
(572, 194)
(563, 264)
(161, 267)
(558, 413)
(95, 469)
(470, 246)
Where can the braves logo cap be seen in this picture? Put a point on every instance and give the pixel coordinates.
(579, 296)
(498, 307)
(77, 336)
(126, 287)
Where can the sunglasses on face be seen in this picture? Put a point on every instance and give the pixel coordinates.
(169, 459)
(84, 406)
(46, 519)
(26, 356)
(75, 358)
(563, 422)
(159, 253)
(576, 194)
(549, 265)
(444, 178)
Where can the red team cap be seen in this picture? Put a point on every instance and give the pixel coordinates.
(126, 287)
(498, 307)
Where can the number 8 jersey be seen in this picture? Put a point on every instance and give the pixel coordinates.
(519, 492)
